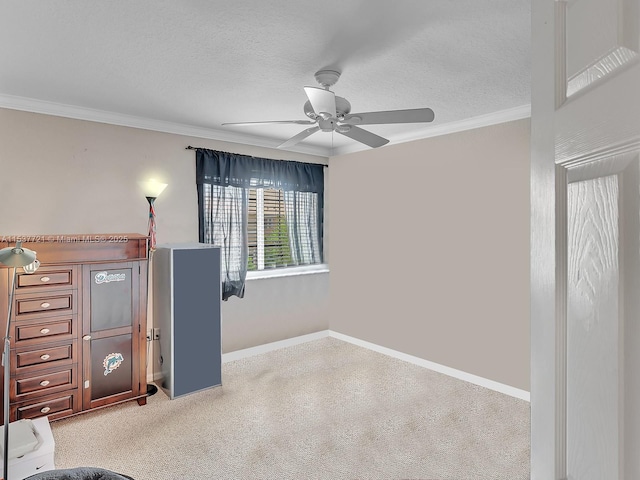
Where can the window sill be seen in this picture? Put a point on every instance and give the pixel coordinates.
(288, 272)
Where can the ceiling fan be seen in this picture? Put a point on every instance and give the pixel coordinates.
(331, 113)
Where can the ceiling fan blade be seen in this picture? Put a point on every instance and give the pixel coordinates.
(297, 138)
(296, 122)
(323, 101)
(362, 136)
(416, 115)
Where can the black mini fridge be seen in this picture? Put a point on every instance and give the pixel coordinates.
(186, 317)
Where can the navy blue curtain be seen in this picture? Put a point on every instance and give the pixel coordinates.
(223, 180)
(230, 169)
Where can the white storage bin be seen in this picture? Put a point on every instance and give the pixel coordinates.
(33, 461)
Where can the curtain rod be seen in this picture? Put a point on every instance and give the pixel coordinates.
(189, 147)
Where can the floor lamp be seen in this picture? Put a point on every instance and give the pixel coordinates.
(12, 257)
(151, 190)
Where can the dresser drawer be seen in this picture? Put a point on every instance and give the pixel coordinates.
(42, 383)
(46, 278)
(30, 306)
(53, 406)
(31, 332)
(45, 357)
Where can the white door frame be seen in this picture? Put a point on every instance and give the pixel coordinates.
(544, 335)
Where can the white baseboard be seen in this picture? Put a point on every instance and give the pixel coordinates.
(269, 347)
(452, 372)
(436, 367)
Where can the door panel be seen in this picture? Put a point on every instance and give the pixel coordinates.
(597, 73)
(592, 329)
(110, 324)
(603, 274)
(111, 296)
(111, 366)
(601, 37)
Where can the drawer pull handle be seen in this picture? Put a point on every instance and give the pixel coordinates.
(44, 279)
(45, 409)
(44, 331)
(44, 383)
(87, 337)
(45, 304)
(46, 356)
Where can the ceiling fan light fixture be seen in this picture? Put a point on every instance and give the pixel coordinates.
(326, 125)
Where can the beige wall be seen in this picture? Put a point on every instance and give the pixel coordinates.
(453, 289)
(81, 177)
(430, 249)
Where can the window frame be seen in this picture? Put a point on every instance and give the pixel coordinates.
(288, 271)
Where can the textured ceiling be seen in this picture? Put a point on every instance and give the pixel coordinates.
(200, 63)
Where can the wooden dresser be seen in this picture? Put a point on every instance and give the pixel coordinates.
(78, 328)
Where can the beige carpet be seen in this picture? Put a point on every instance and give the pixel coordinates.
(321, 410)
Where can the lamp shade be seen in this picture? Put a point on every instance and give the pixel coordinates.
(152, 188)
(17, 256)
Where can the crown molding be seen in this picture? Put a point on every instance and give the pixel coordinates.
(113, 118)
(495, 118)
(120, 119)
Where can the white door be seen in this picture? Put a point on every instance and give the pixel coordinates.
(585, 240)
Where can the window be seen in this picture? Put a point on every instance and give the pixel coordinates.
(268, 224)
(267, 230)
(263, 213)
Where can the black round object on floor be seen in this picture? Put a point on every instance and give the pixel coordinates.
(151, 389)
